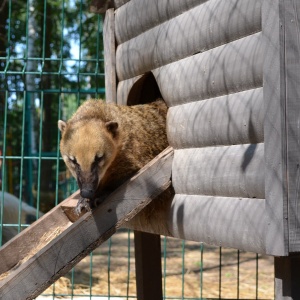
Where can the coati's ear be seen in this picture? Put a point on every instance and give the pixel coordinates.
(112, 127)
(62, 125)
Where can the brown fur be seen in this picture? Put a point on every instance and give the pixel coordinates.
(127, 137)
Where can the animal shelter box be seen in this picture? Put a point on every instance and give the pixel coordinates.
(229, 73)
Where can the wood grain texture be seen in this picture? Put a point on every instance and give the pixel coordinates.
(227, 120)
(221, 221)
(274, 128)
(291, 70)
(231, 171)
(24, 243)
(227, 69)
(110, 57)
(83, 236)
(147, 14)
(204, 27)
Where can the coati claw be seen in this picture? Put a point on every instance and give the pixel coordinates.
(83, 203)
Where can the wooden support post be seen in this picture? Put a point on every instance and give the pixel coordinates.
(287, 278)
(110, 56)
(148, 266)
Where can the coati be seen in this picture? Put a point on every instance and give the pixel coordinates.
(103, 145)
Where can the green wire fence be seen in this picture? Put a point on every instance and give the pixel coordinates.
(51, 59)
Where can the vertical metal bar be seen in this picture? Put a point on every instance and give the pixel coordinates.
(59, 102)
(220, 273)
(165, 268)
(72, 283)
(3, 166)
(5, 125)
(256, 277)
(183, 267)
(97, 54)
(80, 47)
(91, 275)
(201, 270)
(238, 274)
(128, 263)
(40, 152)
(22, 161)
(108, 266)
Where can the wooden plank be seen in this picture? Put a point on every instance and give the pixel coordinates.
(231, 171)
(227, 120)
(148, 266)
(20, 246)
(231, 68)
(148, 14)
(221, 221)
(93, 228)
(287, 278)
(204, 27)
(110, 57)
(274, 128)
(291, 48)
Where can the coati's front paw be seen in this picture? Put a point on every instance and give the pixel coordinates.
(83, 203)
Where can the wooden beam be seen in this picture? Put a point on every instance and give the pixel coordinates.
(220, 221)
(274, 129)
(237, 223)
(147, 248)
(110, 56)
(231, 68)
(148, 14)
(291, 69)
(287, 277)
(229, 171)
(93, 228)
(197, 30)
(227, 120)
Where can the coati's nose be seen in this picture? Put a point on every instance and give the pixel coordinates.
(87, 193)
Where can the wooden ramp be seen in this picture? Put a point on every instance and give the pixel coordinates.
(51, 246)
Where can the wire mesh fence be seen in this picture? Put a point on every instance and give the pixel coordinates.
(51, 59)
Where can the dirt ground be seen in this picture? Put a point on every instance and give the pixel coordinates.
(190, 274)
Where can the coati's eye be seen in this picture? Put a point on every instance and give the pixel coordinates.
(73, 160)
(98, 158)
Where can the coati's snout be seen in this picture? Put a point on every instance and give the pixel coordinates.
(88, 184)
(87, 193)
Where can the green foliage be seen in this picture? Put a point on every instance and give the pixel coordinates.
(51, 58)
